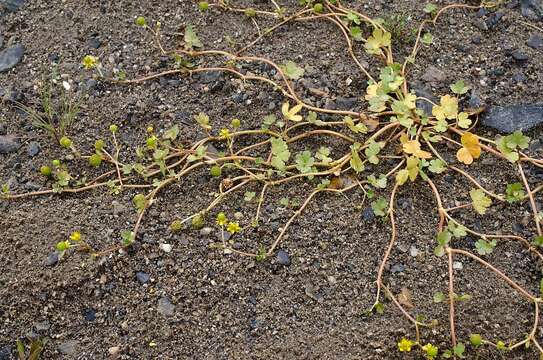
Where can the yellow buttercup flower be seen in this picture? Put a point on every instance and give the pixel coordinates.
(233, 227)
(76, 236)
(405, 345)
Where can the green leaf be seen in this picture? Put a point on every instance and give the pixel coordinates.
(353, 18)
(305, 162)
(460, 87)
(480, 201)
(380, 182)
(380, 308)
(458, 350)
(514, 192)
(427, 39)
(139, 201)
(485, 247)
(356, 33)
(517, 140)
(439, 297)
(268, 121)
(280, 153)
(443, 238)
(457, 230)
(437, 166)
(203, 120)
(249, 196)
(538, 241)
(463, 120)
(359, 128)
(355, 162)
(284, 201)
(379, 207)
(172, 133)
(372, 151)
(430, 8)
(191, 40)
(128, 237)
(323, 155)
(292, 70)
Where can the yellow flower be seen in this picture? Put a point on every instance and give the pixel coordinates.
(76, 236)
(431, 350)
(224, 133)
(405, 345)
(90, 62)
(221, 219)
(233, 227)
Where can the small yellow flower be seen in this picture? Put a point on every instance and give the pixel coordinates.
(405, 345)
(224, 133)
(431, 350)
(233, 227)
(221, 219)
(90, 62)
(76, 236)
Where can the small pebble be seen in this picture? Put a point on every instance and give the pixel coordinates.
(283, 258)
(167, 248)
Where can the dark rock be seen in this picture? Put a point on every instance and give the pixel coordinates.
(33, 148)
(367, 214)
(493, 20)
(531, 9)
(52, 259)
(344, 103)
(91, 84)
(3, 129)
(475, 101)
(210, 76)
(397, 268)
(11, 56)
(477, 40)
(535, 41)
(89, 314)
(519, 78)
(142, 277)
(519, 55)
(423, 104)
(53, 57)
(481, 12)
(8, 144)
(283, 258)
(1, 40)
(433, 75)
(507, 119)
(5, 352)
(94, 43)
(12, 5)
(165, 307)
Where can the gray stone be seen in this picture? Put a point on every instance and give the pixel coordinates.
(52, 259)
(8, 144)
(283, 258)
(532, 9)
(68, 347)
(142, 277)
(398, 268)
(33, 149)
(367, 214)
(535, 41)
(344, 103)
(11, 56)
(519, 55)
(165, 307)
(5, 353)
(12, 5)
(423, 104)
(42, 325)
(433, 75)
(508, 119)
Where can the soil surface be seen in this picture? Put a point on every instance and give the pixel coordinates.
(309, 300)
